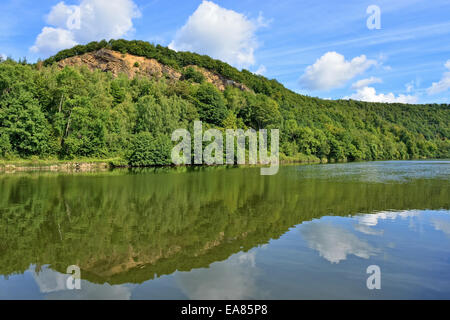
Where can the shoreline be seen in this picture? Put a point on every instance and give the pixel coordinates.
(54, 166)
(99, 165)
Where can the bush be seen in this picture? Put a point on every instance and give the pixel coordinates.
(191, 74)
(5, 145)
(118, 162)
(150, 150)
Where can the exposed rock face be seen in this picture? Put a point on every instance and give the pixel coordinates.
(131, 65)
(116, 63)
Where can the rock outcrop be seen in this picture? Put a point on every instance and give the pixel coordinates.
(115, 62)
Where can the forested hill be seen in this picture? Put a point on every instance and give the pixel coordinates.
(67, 107)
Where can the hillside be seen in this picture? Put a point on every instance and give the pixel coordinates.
(119, 63)
(122, 99)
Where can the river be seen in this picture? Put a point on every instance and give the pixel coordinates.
(308, 232)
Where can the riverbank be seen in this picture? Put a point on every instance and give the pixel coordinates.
(82, 165)
(94, 165)
(87, 165)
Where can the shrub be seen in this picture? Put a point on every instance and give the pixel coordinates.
(150, 150)
(191, 74)
(5, 145)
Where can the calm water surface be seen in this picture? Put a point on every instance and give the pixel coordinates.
(229, 233)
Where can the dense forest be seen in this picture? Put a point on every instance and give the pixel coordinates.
(73, 113)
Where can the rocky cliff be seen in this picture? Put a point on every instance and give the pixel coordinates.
(115, 62)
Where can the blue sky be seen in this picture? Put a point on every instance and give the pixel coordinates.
(318, 48)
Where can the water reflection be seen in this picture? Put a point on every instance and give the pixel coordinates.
(334, 243)
(235, 279)
(52, 285)
(370, 220)
(228, 233)
(441, 225)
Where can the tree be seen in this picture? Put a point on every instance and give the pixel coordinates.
(24, 125)
(74, 112)
(211, 105)
(150, 150)
(85, 131)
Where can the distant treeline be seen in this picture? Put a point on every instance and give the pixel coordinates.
(72, 113)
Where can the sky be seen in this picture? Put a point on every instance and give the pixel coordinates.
(386, 51)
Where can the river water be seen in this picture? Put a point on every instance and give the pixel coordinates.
(309, 232)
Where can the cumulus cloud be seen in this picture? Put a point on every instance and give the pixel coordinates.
(3, 56)
(369, 94)
(220, 33)
(51, 40)
(335, 243)
(443, 84)
(91, 20)
(333, 71)
(61, 13)
(365, 82)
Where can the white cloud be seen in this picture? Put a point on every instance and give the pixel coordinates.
(220, 33)
(371, 219)
(333, 71)
(92, 20)
(92, 291)
(335, 243)
(365, 82)
(382, 58)
(51, 40)
(53, 285)
(441, 225)
(413, 85)
(369, 94)
(48, 280)
(60, 14)
(3, 56)
(261, 70)
(443, 84)
(368, 230)
(234, 278)
(409, 86)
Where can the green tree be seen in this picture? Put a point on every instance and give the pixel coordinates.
(150, 150)
(211, 104)
(24, 125)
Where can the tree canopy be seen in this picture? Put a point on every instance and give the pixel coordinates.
(68, 113)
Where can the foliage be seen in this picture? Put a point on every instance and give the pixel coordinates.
(111, 218)
(150, 150)
(210, 104)
(191, 74)
(70, 113)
